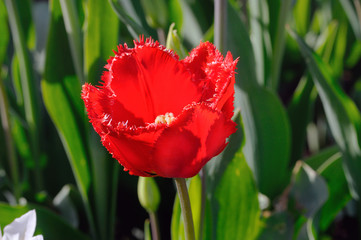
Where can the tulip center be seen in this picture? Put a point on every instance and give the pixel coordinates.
(166, 118)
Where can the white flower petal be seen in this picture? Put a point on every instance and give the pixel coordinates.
(39, 237)
(21, 228)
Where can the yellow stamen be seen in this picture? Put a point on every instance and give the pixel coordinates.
(166, 118)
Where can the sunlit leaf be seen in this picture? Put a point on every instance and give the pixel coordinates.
(266, 126)
(236, 199)
(61, 95)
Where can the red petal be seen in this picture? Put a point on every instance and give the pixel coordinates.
(151, 82)
(199, 134)
(216, 73)
(133, 152)
(104, 110)
(175, 152)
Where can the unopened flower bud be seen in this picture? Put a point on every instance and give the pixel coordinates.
(148, 194)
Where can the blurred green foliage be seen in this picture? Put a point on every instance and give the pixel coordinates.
(291, 171)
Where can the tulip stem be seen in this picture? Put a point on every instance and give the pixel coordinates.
(203, 203)
(186, 208)
(154, 225)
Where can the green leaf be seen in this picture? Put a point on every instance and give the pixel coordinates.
(191, 30)
(50, 225)
(265, 121)
(300, 111)
(328, 164)
(73, 28)
(352, 16)
(267, 133)
(25, 15)
(278, 44)
(261, 39)
(236, 199)
(61, 96)
(177, 222)
(278, 226)
(4, 29)
(100, 38)
(28, 83)
(135, 28)
(216, 167)
(342, 115)
(176, 13)
(156, 13)
(65, 201)
(16, 80)
(301, 14)
(309, 189)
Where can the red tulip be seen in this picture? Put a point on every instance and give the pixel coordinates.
(161, 116)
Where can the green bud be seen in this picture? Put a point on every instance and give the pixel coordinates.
(148, 194)
(156, 13)
(174, 42)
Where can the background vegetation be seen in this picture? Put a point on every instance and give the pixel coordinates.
(291, 171)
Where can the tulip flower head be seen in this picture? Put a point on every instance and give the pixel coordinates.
(21, 228)
(161, 116)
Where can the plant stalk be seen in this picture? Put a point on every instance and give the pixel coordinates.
(154, 225)
(186, 208)
(220, 24)
(203, 203)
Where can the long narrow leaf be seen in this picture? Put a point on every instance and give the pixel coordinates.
(342, 115)
(134, 28)
(61, 91)
(265, 121)
(28, 85)
(351, 13)
(101, 37)
(73, 29)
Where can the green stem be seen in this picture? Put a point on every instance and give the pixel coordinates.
(220, 24)
(186, 208)
(154, 225)
(113, 203)
(203, 203)
(161, 36)
(5, 120)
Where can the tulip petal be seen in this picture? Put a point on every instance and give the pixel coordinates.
(195, 137)
(216, 73)
(174, 153)
(134, 151)
(159, 116)
(151, 82)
